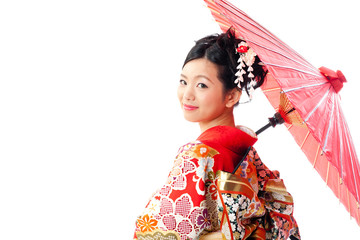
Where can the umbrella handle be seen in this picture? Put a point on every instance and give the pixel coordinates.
(263, 128)
(273, 121)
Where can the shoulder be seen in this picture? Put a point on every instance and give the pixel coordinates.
(196, 149)
(236, 139)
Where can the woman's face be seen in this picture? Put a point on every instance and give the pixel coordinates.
(201, 94)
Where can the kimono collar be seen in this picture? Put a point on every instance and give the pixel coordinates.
(236, 139)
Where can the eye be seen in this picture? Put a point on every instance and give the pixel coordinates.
(202, 85)
(183, 82)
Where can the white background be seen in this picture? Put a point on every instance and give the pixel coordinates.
(90, 123)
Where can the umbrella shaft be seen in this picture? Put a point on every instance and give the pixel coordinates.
(263, 128)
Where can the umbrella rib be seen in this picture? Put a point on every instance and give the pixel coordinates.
(307, 135)
(263, 37)
(341, 160)
(317, 106)
(274, 51)
(356, 186)
(352, 168)
(352, 158)
(226, 6)
(329, 126)
(271, 89)
(259, 27)
(317, 155)
(327, 173)
(296, 69)
(309, 66)
(306, 86)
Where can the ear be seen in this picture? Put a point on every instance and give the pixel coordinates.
(232, 97)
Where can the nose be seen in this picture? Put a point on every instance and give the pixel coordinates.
(189, 93)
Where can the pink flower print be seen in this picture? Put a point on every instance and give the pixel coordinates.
(177, 216)
(165, 190)
(262, 173)
(177, 176)
(203, 220)
(179, 183)
(184, 228)
(188, 167)
(169, 221)
(183, 206)
(166, 206)
(193, 216)
(185, 148)
(176, 171)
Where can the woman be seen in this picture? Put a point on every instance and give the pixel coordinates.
(202, 199)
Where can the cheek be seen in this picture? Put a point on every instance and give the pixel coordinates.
(180, 93)
(213, 101)
(217, 97)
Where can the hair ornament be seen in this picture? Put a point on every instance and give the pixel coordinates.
(246, 59)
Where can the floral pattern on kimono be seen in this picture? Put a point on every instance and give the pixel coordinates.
(253, 203)
(202, 198)
(186, 205)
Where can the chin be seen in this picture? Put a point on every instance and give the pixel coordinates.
(191, 118)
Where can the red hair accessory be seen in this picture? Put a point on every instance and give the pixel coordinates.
(242, 49)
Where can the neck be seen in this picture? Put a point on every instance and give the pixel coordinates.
(221, 121)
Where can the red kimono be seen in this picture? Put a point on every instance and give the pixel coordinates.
(219, 187)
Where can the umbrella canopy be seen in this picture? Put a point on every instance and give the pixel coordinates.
(323, 136)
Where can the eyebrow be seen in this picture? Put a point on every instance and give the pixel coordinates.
(198, 76)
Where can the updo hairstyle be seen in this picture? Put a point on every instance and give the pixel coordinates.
(220, 49)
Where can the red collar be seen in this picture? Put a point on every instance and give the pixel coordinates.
(236, 139)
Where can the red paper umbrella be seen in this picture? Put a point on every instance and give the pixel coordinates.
(309, 94)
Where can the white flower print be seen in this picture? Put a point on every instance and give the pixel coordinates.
(244, 205)
(235, 206)
(232, 217)
(233, 227)
(230, 201)
(205, 166)
(242, 198)
(203, 150)
(153, 207)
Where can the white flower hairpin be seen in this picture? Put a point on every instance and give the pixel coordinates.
(246, 59)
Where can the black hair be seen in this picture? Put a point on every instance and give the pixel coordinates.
(220, 49)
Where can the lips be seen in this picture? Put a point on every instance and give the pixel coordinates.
(189, 107)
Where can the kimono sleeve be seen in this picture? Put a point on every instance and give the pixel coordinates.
(182, 207)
